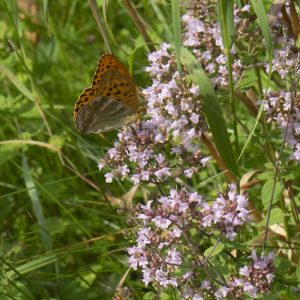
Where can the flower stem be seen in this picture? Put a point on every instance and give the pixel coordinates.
(230, 77)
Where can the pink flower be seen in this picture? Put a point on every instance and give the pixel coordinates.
(109, 177)
(221, 293)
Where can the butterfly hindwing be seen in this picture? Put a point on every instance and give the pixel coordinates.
(86, 96)
(113, 113)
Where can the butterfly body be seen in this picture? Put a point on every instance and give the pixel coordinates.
(111, 100)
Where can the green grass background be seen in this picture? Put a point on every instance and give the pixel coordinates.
(50, 216)
(60, 236)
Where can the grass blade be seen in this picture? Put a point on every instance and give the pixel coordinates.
(264, 25)
(45, 4)
(225, 12)
(32, 265)
(35, 202)
(17, 83)
(225, 8)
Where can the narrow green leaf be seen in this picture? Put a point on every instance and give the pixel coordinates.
(131, 57)
(298, 272)
(177, 31)
(211, 109)
(45, 5)
(226, 18)
(35, 202)
(225, 11)
(264, 25)
(157, 9)
(16, 82)
(32, 265)
(214, 250)
(230, 20)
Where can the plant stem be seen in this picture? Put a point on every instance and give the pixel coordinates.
(276, 168)
(230, 78)
(103, 33)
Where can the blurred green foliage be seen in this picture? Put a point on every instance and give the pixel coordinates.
(60, 236)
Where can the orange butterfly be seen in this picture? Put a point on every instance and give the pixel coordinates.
(110, 101)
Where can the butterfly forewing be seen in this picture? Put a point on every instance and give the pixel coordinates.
(116, 86)
(107, 62)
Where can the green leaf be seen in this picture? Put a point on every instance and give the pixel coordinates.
(265, 175)
(266, 192)
(19, 291)
(131, 57)
(249, 80)
(226, 18)
(276, 216)
(298, 272)
(36, 203)
(16, 82)
(177, 31)
(9, 151)
(211, 109)
(45, 5)
(264, 25)
(149, 296)
(57, 141)
(32, 265)
(164, 296)
(214, 250)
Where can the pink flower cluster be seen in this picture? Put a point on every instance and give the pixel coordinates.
(173, 230)
(287, 58)
(228, 213)
(173, 128)
(175, 105)
(202, 35)
(255, 278)
(277, 107)
(252, 280)
(161, 250)
(283, 107)
(284, 62)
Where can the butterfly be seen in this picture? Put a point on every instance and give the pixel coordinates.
(110, 102)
